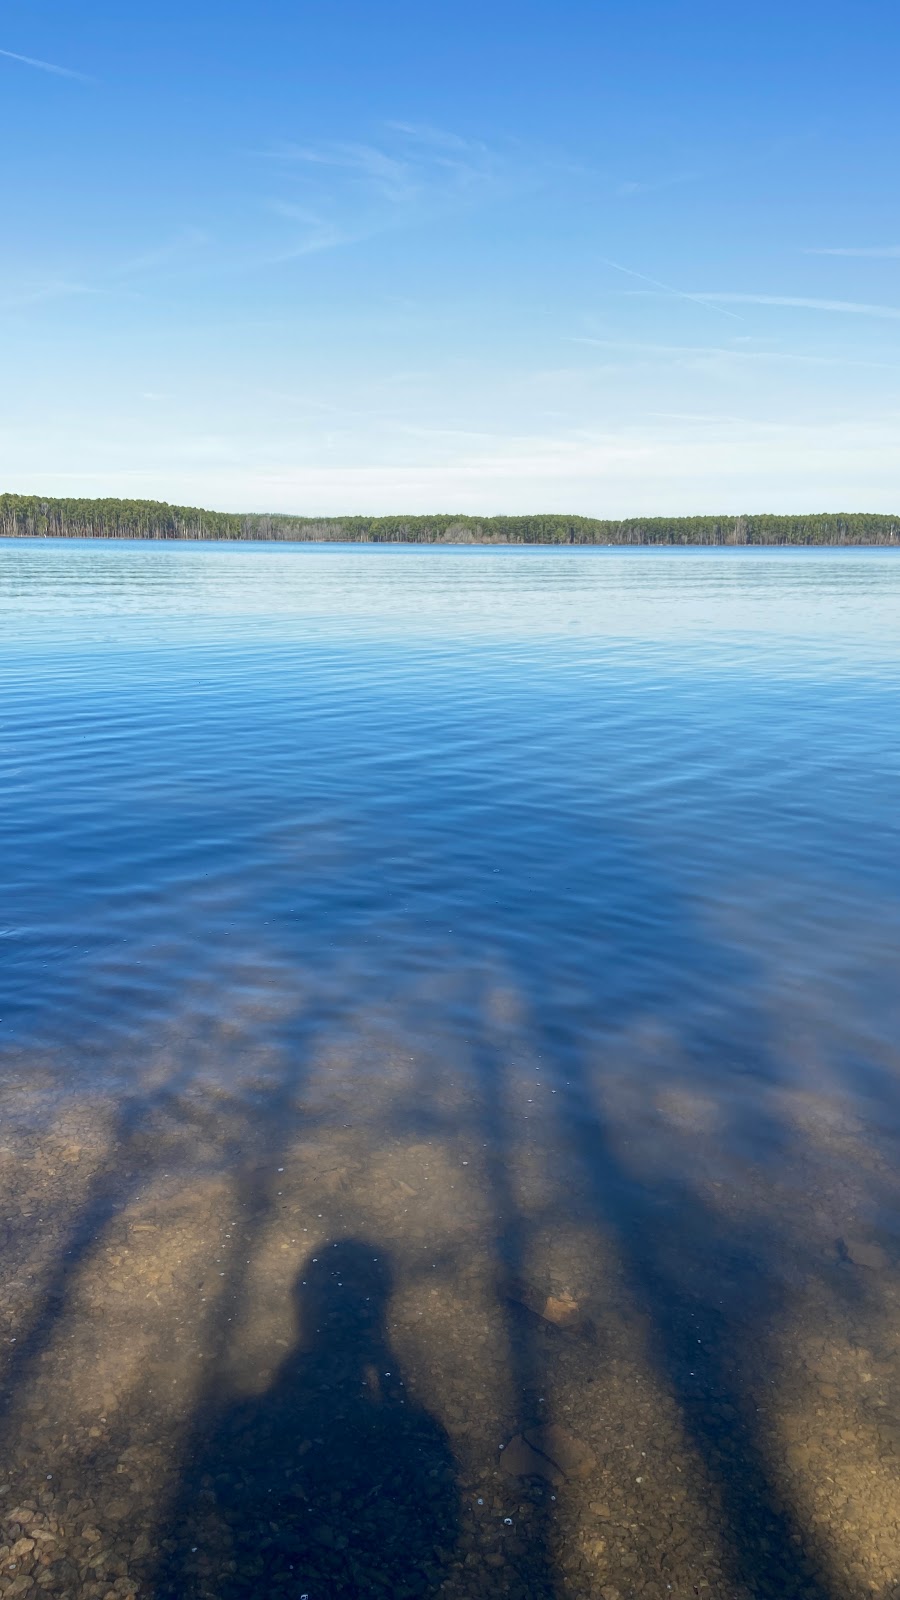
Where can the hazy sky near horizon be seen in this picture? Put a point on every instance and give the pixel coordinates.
(324, 256)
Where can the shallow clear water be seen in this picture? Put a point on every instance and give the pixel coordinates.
(565, 881)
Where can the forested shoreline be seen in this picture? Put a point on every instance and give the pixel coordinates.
(36, 516)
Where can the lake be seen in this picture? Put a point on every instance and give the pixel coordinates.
(449, 1071)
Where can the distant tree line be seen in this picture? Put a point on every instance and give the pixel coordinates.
(34, 516)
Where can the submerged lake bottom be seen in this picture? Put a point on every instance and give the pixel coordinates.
(449, 1072)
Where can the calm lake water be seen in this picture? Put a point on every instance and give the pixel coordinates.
(450, 1000)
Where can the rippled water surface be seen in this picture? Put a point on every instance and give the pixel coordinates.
(450, 1000)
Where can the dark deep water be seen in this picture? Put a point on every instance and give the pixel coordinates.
(449, 995)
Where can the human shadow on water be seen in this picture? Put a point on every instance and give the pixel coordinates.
(332, 1482)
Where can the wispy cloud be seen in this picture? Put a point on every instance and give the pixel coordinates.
(162, 255)
(805, 303)
(877, 252)
(112, 279)
(343, 190)
(668, 288)
(35, 293)
(629, 186)
(440, 138)
(646, 348)
(318, 233)
(700, 352)
(47, 66)
(391, 177)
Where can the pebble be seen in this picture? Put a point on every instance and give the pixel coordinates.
(548, 1452)
(865, 1254)
(562, 1310)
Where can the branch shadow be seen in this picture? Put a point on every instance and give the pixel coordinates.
(712, 1288)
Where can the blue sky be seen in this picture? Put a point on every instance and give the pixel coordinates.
(334, 256)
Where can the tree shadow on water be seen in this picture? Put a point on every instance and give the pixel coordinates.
(332, 1482)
